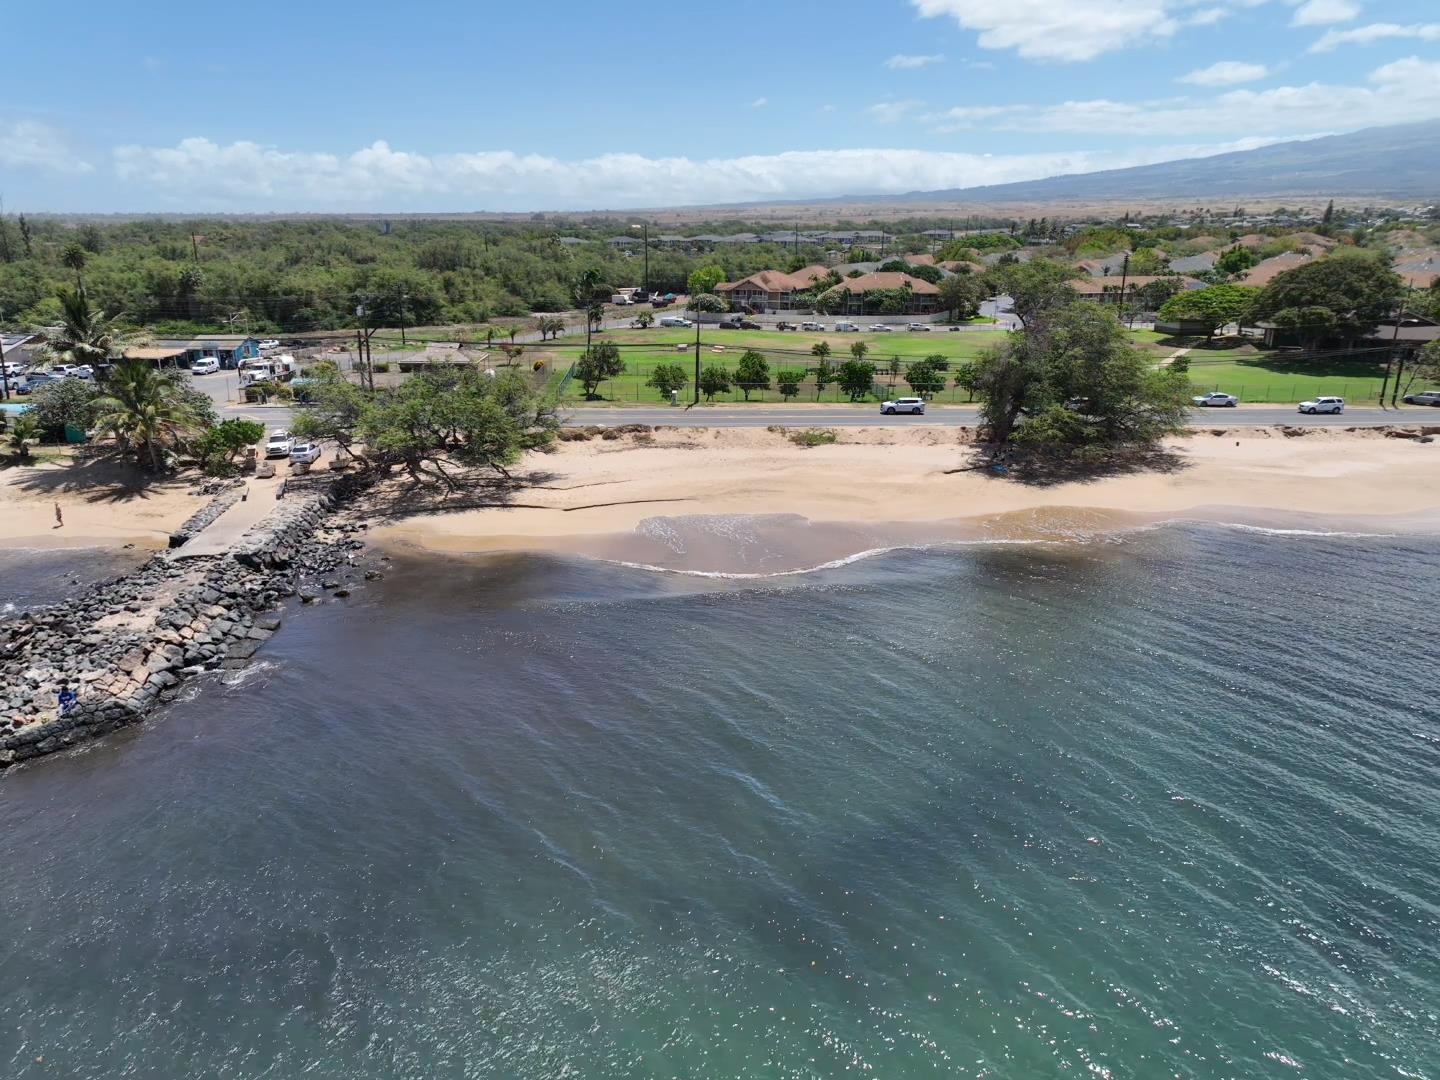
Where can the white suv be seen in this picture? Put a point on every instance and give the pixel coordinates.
(1323, 404)
(920, 326)
(904, 404)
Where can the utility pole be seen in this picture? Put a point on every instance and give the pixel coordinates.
(1124, 274)
(1390, 362)
(403, 297)
(647, 259)
(697, 356)
(4, 374)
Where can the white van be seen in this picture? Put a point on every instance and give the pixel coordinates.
(846, 328)
(206, 365)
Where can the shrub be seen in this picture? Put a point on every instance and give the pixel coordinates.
(382, 367)
(813, 437)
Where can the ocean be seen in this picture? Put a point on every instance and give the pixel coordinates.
(1157, 804)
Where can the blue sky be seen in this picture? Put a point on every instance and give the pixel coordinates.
(316, 105)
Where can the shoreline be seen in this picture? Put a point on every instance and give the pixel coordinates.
(675, 499)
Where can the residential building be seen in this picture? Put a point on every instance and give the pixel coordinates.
(1106, 288)
(860, 299)
(771, 290)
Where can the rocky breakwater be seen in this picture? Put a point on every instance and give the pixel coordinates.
(125, 646)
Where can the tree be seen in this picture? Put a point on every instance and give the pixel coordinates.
(464, 417)
(787, 381)
(86, 336)
(1145, 262)
(1037, 288)
(1311, 324)
(645, 319)
(549, 326)
(1236, 261)
(148, 412)
(925, 378)
(336, 405)
(705, 301)
(857, 377)
(1215, 306)
(1424, 369)
(858, 349)
(1006, 379)
(824, 375)
(704, 279)
(74, 257)
(218, 446)
(1357, 288)
(962, 295)
(24, 430)
(965, 378)
(820, 350)
(192, 280)
(752, 372)
(668, 378)
(714, 380)
(596, 364)
(62, 403)
(893, 367)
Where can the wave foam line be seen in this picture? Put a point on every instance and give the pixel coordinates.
(833, 564)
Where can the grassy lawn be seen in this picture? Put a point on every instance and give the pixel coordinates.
(644, 349)
(1260, 379)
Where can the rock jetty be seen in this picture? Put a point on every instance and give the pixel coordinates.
(126, 646)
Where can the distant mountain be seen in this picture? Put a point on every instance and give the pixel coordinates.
(1400, 162)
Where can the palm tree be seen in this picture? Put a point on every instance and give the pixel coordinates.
(24, 430)
(87, 335)
(75, 257)
(820, 349)
(146, 411)
(858, 349)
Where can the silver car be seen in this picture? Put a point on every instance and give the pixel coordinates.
(1216, 400)
(1323, 405)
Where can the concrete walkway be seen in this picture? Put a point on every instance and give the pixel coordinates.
(220, 534)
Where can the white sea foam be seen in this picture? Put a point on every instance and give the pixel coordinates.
(249, 673)
(833, 564)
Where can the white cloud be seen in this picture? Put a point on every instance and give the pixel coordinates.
(1071, 30)
(1206, 16)
(1324, 12)
(1225, 73)
(1368, 35)
(759, 103)
(1399, 92)
(890, 112)
(901, 61)
(29, 144)
(198, 174)
(827, 107)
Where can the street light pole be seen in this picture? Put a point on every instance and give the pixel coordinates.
(697, 356)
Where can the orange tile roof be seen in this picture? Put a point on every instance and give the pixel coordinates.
(888, 279)
(1262, 273)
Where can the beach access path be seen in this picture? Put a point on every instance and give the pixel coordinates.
(220, 535)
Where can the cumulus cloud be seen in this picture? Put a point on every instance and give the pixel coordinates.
(902, 61)
(1225, 73)
(29, 144)
(890, 112)
(1324, 12)
(1402, 91)
(197, 173)
(1045, 30)
(1368, 35)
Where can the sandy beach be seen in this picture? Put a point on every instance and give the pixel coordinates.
(887, 485)
(104, 504)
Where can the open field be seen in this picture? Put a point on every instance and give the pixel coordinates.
(1264, 379)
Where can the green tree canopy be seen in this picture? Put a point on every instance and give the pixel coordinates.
(714, 380)
(149, 413)
(668, 378)
(787, 381)
(64, 402)
(703, 279)
(1357, 288)
(1214, 306)
(856, 377)
(1037, 287)
(962, 295)
(925, 378)
(752, 372)
(598, 363)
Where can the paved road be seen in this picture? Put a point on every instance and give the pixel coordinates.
(950, 416)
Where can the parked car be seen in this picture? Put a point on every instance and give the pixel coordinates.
(1425, 397)
(1216, 399)
(782, 325)
(270, 343)
(61, 371)
(305, 453)
(206, 365)
(921, 326)
(750, 324)
(1323, 405)
(729, 324)
(279, 444)
(36, 378)
(82, 371)
(903, 405)
(815, 326)
(11, 368)
(675, 320)
(881, 328)
(843, 327)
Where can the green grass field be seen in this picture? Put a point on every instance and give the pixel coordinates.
(642, 350)
(1261, 379)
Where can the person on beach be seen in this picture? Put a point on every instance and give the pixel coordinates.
(67, 698)
(59, 517)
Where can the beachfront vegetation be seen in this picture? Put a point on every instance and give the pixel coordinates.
(64, 403)
(1342, 297)
(1074, 380)
(21, 432)
(151, 414)
(217, 447)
